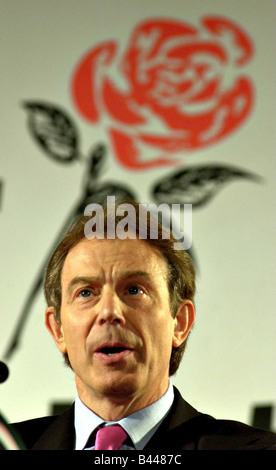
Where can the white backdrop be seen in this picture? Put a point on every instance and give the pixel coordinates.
(229, 366)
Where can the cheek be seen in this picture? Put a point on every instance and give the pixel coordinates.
(75, 330)
(160, 334)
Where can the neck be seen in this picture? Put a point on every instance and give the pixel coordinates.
(116, 406)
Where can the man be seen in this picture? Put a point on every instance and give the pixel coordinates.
(120, 311)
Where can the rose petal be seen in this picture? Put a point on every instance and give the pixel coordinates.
(85, 79)
(119, 105)
(127, 151)
(219, 26)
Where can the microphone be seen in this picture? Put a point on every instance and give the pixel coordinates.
(4, 372)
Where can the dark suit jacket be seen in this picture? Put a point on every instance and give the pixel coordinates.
(184, 428)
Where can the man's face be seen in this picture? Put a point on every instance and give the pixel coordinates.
(116, 324)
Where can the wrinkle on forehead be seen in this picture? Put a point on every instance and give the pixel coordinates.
(128, 257)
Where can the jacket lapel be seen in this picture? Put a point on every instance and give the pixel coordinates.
(60, 435)
(178, 430)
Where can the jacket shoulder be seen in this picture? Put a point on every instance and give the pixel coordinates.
(31, 430)
(234, 435)
(49, 432)
(185, 428)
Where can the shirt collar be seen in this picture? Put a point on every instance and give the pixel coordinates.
(140, 425)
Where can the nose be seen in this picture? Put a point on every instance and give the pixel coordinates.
(110, 310)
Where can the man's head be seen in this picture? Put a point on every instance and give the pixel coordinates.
(136, 295)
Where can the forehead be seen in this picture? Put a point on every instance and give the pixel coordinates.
(111, 257)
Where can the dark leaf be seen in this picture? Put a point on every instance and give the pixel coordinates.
(197, 185)
(96, 162)
(54, 131)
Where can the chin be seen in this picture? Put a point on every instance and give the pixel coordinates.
(115, 387)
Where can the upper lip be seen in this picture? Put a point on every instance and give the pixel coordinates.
(112, 344)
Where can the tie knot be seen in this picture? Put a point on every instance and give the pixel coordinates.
(110, 437)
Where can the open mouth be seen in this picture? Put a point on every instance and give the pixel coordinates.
(112, 350)
(113, 353)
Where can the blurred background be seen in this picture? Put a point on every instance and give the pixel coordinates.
(165, 102)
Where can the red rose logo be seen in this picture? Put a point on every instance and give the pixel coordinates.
(176, 88)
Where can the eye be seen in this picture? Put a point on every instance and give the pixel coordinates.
(134, 290)
(85, 293)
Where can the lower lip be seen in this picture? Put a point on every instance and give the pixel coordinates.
(114, 358)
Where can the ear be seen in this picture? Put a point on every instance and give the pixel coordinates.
(183, 322)
(55, 329)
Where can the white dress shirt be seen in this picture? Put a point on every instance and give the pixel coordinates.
(140, 425)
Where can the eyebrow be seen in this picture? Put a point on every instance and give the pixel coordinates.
(122, 276)
(81, 280)
(134, 273)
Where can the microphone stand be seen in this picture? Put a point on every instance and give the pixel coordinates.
(9, 440)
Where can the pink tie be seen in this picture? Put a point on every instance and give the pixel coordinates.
(110, 438)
